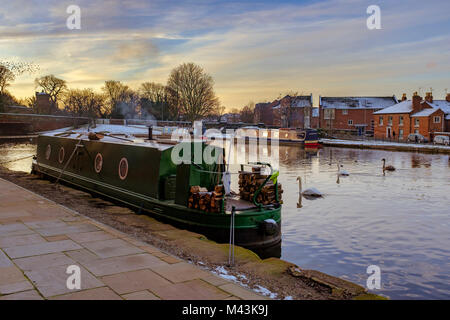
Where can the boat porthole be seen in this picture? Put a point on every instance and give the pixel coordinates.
(48, 152)
(123, 168)
(61, 155)
(98, 163)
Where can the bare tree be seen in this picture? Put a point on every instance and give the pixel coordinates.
(53, 86)
(247, 113)
(121, 100)
(84, 102)
(190, 91)
(154, 100)
(6, 77)
(218, 112)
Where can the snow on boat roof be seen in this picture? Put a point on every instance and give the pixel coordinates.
(128, 131)
(357, 102)
(402, 107)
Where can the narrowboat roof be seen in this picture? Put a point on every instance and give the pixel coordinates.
(118, 134)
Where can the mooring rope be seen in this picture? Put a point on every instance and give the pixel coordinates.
(70, 158)
(16, 159)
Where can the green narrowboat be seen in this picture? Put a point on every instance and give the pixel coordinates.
(141, 174)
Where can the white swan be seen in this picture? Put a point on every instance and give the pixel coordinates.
(311, 192)
(342, 172)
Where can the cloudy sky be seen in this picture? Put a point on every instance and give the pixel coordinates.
(254, 50)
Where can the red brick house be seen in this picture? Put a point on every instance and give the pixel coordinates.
(426, 117)
(288, 112)
(264, 112)
(293, 112)
(352, 114)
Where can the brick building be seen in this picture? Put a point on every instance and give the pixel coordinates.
(426, 117)
(288, 112)
(43, 104)
(352, 114)
(264, 112)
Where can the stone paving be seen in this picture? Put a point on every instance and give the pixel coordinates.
(39, 239)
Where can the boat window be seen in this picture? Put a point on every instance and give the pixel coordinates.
(61, 155)
(48, 152)
(123, 168)
(98, 163)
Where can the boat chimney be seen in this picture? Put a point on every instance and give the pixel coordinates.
(150, 132)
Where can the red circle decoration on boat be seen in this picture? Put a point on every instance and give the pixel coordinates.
(98, 163)
(123, 168)
(48, 152)
(61, 155)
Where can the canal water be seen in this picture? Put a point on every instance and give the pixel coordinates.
(398, 221)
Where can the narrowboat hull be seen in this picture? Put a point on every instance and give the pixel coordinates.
(251, 226)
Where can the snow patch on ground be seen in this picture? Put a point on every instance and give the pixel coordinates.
(265, 292)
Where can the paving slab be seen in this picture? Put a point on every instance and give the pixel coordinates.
(111, 248)
(103, 293)
(140, 295)
(15, 287)
(180, 272)
(103, 267)
(44, 261)
(53, 280)
(191, 290)
(241, 292)
(90, 236)
(135, 281)
(21, 240)
(4, 260)
(26, 295)
(68, 229)
(41, 248)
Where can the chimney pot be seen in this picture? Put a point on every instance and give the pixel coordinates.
(429, 97)
(416, 103)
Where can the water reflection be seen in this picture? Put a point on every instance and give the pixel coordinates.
(397, 221)
(17, 156)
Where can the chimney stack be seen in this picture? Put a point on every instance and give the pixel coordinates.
(429, 97)
(416, 102)
(404, 98)
(448, 97)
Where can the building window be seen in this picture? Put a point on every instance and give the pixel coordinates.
(416, 131)
(400, 134)
(344, 111)
(416, 122)
(372, 124)
(437, 119)
(123, 168)
(390, 120)
(98, 163)
(381, 121)
(61, 155)
(400, 121)
(350, 122)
